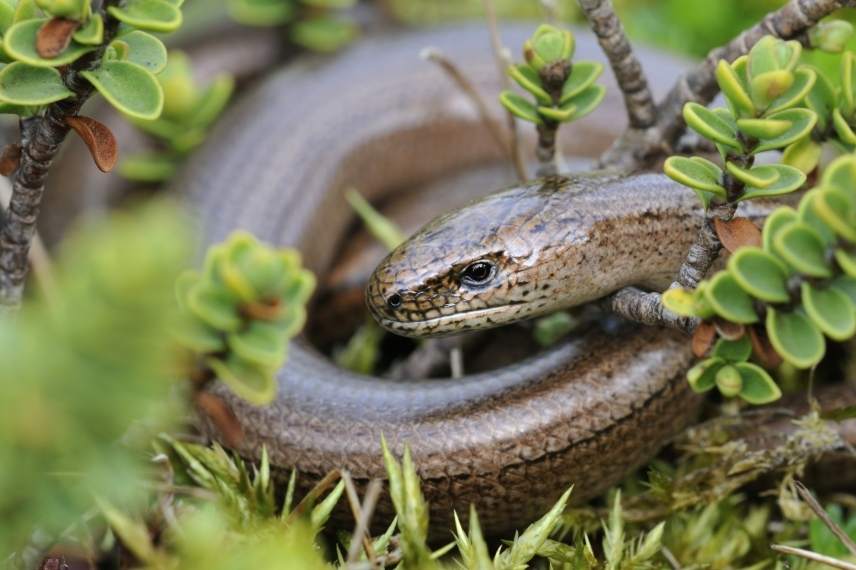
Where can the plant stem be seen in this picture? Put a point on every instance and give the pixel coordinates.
(813, 556)
(40, 141)
(502, 63)
(636, 149)
(641, 110)
(646, 308)
(546, 149)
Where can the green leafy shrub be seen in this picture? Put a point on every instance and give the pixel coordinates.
(563, 90)
(797, 289)
(80, 371)
(188, 113)
(311, 24)
(241, 310)
(763, 90)
(40, 37)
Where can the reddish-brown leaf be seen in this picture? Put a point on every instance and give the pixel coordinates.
(737, 232)
(763, 350)
(10, 157)
(98, 138)
(54, 36)
(703, 338)
(222, 416)
(728, 330)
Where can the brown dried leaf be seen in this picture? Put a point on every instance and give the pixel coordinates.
(737, 232)
(703, 338)
(729, 330)
(224, 419)
(763, 350)
(98, 138)
(54, 36)
(10, 157)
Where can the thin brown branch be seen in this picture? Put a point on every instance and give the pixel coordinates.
(809, 499)
(636, 149)
(434, 55)
(325, 483)
(641, 110)
(813, 556)
(646, 308)
(363, 518)
(502, 62)
(705, 249)
(41, 138)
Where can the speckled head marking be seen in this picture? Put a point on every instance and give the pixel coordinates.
(490, 263)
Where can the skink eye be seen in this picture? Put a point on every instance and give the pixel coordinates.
(478, 273)
(393, 301)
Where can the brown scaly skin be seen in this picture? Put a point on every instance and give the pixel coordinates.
(511, 440)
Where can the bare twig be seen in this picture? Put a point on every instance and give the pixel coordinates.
(41, 138)
(641, 110)
(636, 148)
(325, 483)
(809, 499)
(362, 515)
(434, 55)
(813, 556)
(646, 308)
(502, 63)
(704, 251)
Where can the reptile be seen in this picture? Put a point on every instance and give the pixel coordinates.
(510, 441)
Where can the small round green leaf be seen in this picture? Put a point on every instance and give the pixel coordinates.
(215, 306)
(528, 79)
(586, 101)
(846, 261)
(212, 101)
(808, 215)
(803, 154)
(848, 81)
(149, 15)
(734, 90)
(583, 75)
(695, 172)
(702, 376)
(835, 207)
(841, 173)
(520, 107)
(560, 114)
(797, 340)
(760, 274)
(767, 87)
(145, 50)
(22, 84)
(322, 34)
(804, 79)
(91, 34)
(788, 180)
(846, 285)
(252, 383)
(842, 128)
(733, 350)
(262, 344)
(762, 128)
(728, 381)
(261, 12)
(20, 43)
(689, 303)
(830, 310)
(729, 300)
(757, 385)
(128, 87)
(803, 249)
(802, 122)
(758, 176)
(710, 125)
(780, 218)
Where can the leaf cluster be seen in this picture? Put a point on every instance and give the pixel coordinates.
(41, 36)
(240, 311)
(798, 288)
(188, 113)
(562, 90)
(763, 90)
(312, 24)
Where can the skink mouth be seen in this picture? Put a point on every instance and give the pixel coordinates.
(446, 325)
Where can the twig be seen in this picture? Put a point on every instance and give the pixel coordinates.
(434, 55)
(641, 110)
(705, 249)
(635, 148)
(646, 308)
(502, 63)
(809, 555)
(40, 142)
(361, 535)
(809, 499)
(39, 257)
